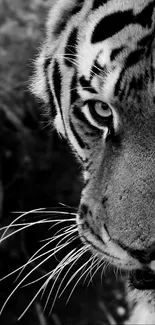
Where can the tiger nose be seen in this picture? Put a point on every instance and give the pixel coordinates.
(144, 256)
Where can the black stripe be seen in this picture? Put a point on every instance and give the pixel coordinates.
(65, 16)
(74, 94)
(49, 91)
(119, 81)
(98, 3)
(123, 92)
(147, 42)
(70, 49)
(80, 142)
(145, 17)
(88, 165)
(57, 82)
(87, 85)
(144, 41)
(134, 57)
(57, 88)
(136, 84)
(115, 52)
(80, 116)
(51, 100)
(78, 7)
(47, 63)
(62, 22)
(146, 75)
(112, 24)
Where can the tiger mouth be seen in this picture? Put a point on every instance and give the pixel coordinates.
(143, 280)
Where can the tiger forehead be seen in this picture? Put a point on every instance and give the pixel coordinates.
(120, 22)
(112, 41)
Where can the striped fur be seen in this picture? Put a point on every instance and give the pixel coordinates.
(102, 51)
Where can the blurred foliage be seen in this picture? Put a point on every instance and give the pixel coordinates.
(38, 170)
(33, 173)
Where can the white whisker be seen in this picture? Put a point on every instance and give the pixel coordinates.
(64, 262)
(32, 259)
(74, 259)
(90, 268)
(18, 218)
(97, 263)
(79, 278)
(41, 288)
(72, 227)
(67, 260)
(73, 276)
(44, 221)
(19, 284)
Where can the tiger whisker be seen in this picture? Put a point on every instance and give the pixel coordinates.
(19, 284)
(59, 222)
(104, 264)
(78, 279)
(27, 263)
(99, 265)
(43, 276)
(69, 259)
(69, 240)
(31, 302)
(27, 225)
(77, 255)
(40, 278)
(47, 274)
(75, 62)
(18, 218)
(43, 211)
(37, 280)
(60, 230)
(18, 230)
(64, 262)
(36, 295)
(16, 225)
(90, 268)
(77, 56)
(32, 258)
(73, 276)
(67, 206)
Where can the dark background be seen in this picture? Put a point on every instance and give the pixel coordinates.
(38, 170)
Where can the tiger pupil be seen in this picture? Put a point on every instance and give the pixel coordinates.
(102, 106)
(102, 109)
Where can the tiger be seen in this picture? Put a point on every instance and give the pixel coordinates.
(95, 74)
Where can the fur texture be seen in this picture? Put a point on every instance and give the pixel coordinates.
(95, 72)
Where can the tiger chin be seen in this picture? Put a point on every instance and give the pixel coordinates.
(96, 75)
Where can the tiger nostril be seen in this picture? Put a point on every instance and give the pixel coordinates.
(83, 211)
(104, 201)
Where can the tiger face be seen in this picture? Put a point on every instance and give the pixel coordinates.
(96, 75)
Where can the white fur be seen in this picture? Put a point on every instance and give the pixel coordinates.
(142, 315)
